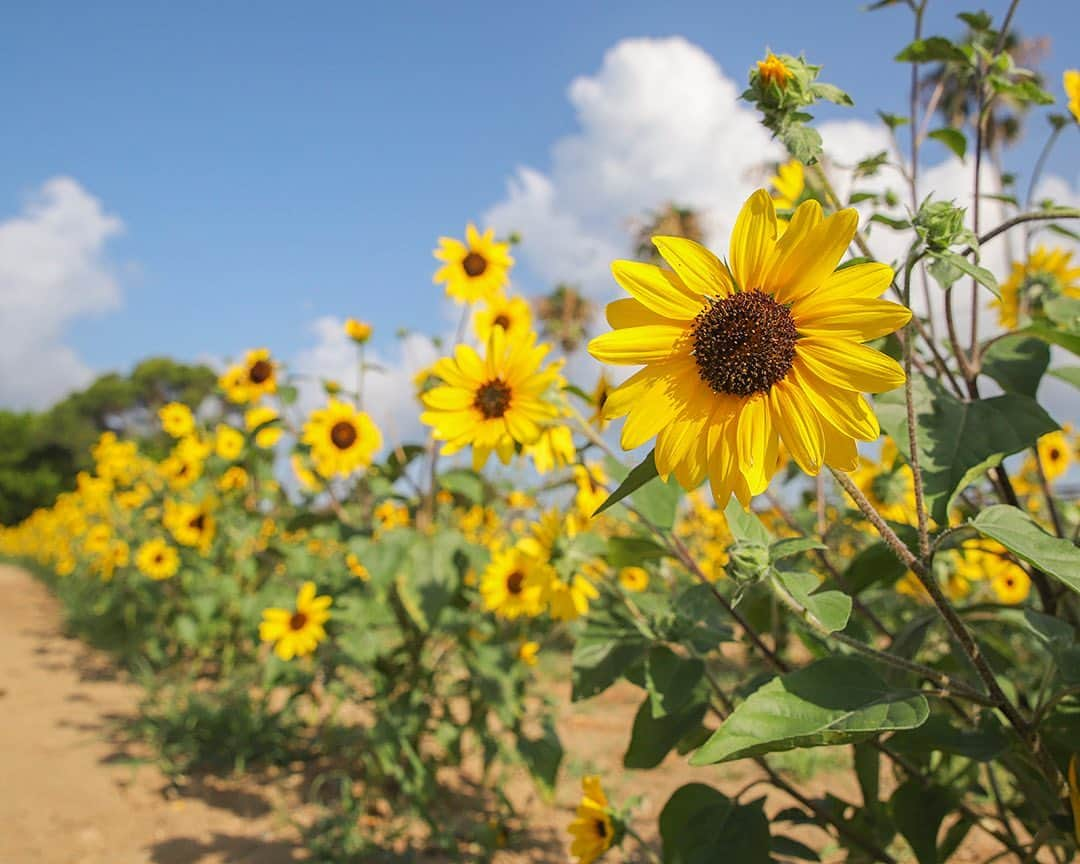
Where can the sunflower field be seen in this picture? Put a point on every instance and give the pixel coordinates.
(806, 504)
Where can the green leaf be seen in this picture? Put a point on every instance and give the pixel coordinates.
(831, 608)
(652, 738)
(918, 812)
(876, 563)
(464, 482)
(791, 848)
(1017, 363)
(744, 525)
(657, 502)
(670, 679)
(1064, 311)
(1023, 536)
(1068, 374)
(954, 139)
(868, 770)
(700, 824)
(792, 546)
(955, 260)
(982, 744)
(608, 647)
(700, 622)
(831, 93)
(958, 441)
(429, 577)
(835, 700)
(633, 551)
(543, 756)
(933, 48)
(1055, 336)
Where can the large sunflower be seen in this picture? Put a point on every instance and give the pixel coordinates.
(341, 438)
(473, 270)
(492, 403)
(740, 356)
(1046, 274)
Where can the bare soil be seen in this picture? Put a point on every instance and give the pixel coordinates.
(70, 795)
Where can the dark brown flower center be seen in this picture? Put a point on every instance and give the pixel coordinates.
(1054, 454)
(159, 557)
(298, 620)
(343, 434)
(474, 264)
(198, 522)
(492, 399)
(744, 344)
(502, 321)
(260, 371)
(601, 829)
(515, 581)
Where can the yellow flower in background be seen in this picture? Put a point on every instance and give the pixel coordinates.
(176, 419)
(553, 449)
(1010, 582)
(788, 184)
(911, 586)
(492, 403)
(252, 379)
(888, 484)
(634, 578)
(308, 479)
(342, 439)
(592, 830)
(390, 515)
(358, 331)
(357, 568)
(97, 539)
(234, 479)
(190, 524)
(262, 416)
(157, 559)
(511, 585)
(228, 442)
(1055, 453)
(1070, 80)
(773, 71)
(599, 398)
(297, 633)
(117, 554)
(737, 359)
(511, 314)
(474, 270)
(527, 652)
(1045, 274)
(591, 482)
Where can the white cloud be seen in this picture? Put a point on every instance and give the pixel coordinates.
(388, 391)
(52, 271)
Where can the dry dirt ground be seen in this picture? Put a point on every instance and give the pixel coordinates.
(69, 796)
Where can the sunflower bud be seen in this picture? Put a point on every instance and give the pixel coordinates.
(940, 224)
(749, 562)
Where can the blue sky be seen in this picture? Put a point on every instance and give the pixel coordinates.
(276, 162)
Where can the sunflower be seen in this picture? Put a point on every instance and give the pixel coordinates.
(157, 559)
(492, 403)
(176, 419)
(357, 568)
(592, 830)
(252, 379)
(634, 578)
(1011, 584)
(341, 438)
(512, 584)
(738, 359)
(234, 478)
(1070, 79)
(527, 652)
(788, 184)
(553, 449)
(773, 70)
(1055, 453)
(358, 331)
(228, 442)
(298, 632)
(475, 269)
(190, 524)
(263, 418)
(565, 586)
(1045, 274)
(511, 314)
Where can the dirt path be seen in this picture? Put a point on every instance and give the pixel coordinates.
(67, 796)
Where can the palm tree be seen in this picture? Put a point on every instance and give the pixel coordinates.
(564, 316)
(671, 220)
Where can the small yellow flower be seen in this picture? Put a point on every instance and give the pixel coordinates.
(527, 652)
(788, 184)
(390, 515)
(357, 568)
(773, 71)
(512, 584)
(511, 314)
(233, 479)
(634, 578)
(176, 419)
(553, 449)
(1071, 81)
(228, 442)
(1011, 583)
(157, 559)
(1055, 453)
(592, 830)
(341, 438)
(262, 416)
(475, 269)
(251, 380)
(190, 524)
(297, 633)
(358, 331)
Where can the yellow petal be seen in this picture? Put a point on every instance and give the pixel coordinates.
(850, 365)
(861, 320)
(700, 270)
(628, 312)
(805, 219)
(752, 436)
(811, 262)
(859, 281)
(846, 410)
(798, 424)
(840, 450)
(634, 345)
(657, 289)
(753, 240)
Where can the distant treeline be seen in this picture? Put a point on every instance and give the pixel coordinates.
(42, 452)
